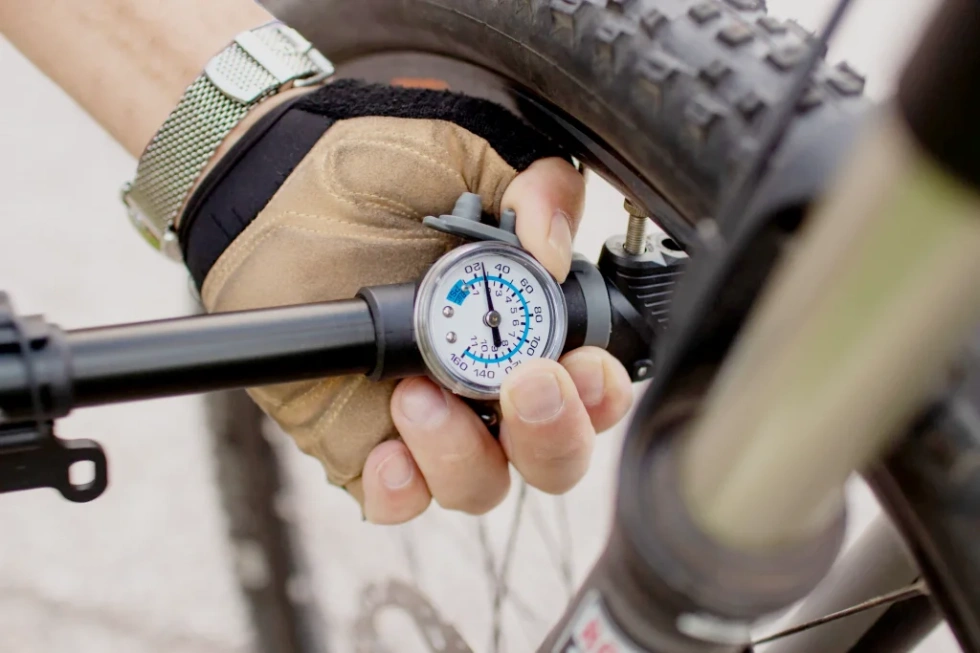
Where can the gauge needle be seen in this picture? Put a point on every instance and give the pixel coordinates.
(493, 318)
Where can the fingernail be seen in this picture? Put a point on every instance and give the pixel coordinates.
(396, 471)
(590, 378)
(560, 236)
(537, 398)
(424, 404)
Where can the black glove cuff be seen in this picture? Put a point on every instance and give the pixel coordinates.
(242, 183)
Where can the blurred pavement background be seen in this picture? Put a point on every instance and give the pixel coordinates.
(147, 567)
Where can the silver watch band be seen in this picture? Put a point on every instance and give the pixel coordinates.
(256, 65)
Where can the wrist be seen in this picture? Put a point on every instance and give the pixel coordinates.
(236, 134)
(187, 58)
(255, 67)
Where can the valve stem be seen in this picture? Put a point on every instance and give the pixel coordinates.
(636, 230)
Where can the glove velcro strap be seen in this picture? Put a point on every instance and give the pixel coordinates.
(243, 182)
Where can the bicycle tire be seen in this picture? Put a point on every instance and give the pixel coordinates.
(680, 88)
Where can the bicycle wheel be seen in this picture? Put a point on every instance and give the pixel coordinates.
(664, 98)
(667, 96)
(268, 564)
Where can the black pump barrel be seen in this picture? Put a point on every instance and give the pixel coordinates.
(188, 355)
(204, 353)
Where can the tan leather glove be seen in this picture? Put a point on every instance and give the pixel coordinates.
(348, 216)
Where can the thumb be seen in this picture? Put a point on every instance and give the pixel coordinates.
(548, 198)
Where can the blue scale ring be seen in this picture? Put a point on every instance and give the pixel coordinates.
(527, 324)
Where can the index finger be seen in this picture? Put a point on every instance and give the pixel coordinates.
(548, 198)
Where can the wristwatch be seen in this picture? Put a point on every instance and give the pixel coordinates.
(258, 64)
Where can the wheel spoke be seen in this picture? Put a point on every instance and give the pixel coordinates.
(500, 576)
(558, 547)
(515, 525)
(565, 543)
(548, 539)
(489, 568)
(917, 588)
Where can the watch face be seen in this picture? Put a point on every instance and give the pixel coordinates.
(484, 310)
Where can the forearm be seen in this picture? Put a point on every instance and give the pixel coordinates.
(125, 62)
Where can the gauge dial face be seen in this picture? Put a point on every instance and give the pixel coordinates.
(482, 311)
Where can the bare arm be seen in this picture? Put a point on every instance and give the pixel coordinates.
(126, 63)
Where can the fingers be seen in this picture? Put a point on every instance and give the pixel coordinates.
(602, 383)
(550, 411)
(446, 453)
(463, 466)
(394, 489)
(546, 430)
(548, 197)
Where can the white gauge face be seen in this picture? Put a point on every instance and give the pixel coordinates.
(484, 310)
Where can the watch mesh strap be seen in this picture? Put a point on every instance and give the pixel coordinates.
(249, 70)
(181, 149)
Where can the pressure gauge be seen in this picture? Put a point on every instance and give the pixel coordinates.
(483, 310)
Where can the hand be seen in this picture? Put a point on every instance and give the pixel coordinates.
(551, 411)
(349, 216)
